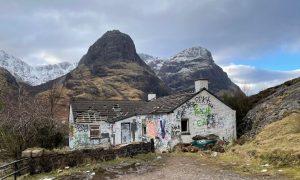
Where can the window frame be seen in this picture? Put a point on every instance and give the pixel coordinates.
(95, 128)
(187, 126)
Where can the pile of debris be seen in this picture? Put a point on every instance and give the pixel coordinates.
(210, 142)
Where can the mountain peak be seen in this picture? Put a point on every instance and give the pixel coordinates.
(192, 54)
(112, 46)
(33, 75)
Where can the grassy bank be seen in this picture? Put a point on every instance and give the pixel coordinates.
(275, 150)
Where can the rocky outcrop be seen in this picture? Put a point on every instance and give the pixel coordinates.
(272, 105)
(111, 69)
(181, 71)
(154, 62)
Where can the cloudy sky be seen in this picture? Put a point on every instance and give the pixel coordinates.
(257, 42)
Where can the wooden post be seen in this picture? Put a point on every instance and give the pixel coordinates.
(16, 169)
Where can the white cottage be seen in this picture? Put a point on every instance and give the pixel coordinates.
(168, 120)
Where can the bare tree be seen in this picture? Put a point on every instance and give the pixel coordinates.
(25, 121)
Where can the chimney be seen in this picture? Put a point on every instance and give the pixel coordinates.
(200, 84)
(151, 97)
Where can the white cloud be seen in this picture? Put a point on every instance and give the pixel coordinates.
(229, 28)
(254, 80)
(43, 58)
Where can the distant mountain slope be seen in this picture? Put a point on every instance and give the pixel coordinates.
(154, 62)
(8, 84)
(111, 69)
(180, 71)
(33, 75)
(272, 105)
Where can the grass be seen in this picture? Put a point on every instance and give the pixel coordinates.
(149, 159)
(276, 148)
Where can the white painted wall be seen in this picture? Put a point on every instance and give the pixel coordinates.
(206, 115)
(79, 133)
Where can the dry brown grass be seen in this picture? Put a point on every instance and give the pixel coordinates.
(278, 144)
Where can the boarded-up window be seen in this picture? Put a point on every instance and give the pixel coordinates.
(94, 132)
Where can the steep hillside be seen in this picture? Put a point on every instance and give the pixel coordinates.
(33, 75)
(8, 86)
(180, 72)
(111, 69)
(272, 105)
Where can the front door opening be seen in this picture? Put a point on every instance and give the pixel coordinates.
(125, 133)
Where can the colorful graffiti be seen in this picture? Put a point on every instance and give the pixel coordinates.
(175, 131)
(151, 129)
(206, 117)
(204, 100)
(163, 128)
(82, 127)
(81, 139)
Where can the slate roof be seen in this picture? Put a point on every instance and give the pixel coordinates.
(115, 110)
(108, 110)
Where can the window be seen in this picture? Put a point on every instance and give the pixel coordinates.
(144, 127)
(144, 130)
(94, 132)
(184, 125)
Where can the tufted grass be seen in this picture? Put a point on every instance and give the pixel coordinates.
(277, 145)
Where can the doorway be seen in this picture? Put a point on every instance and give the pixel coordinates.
(125, 133)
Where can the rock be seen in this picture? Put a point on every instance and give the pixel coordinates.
(111, 69)
(212, 137)
(264, 170)
(214, 154)
(48, 152)
(48, 178)
(265, 165)
(282, 98)
(198, 137)
(158, 157)
(218, 148)
(37, 152)
(26, 153)
(59, 171)
(181, 71)
(67, 167)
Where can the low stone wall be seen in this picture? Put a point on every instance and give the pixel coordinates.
(42, 160)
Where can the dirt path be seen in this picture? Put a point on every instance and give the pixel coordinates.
(189, 168)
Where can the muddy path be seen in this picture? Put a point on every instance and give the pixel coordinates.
(187, 167)
(170, 167)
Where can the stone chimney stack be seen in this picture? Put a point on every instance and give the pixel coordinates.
(200, 84)
(151, 97)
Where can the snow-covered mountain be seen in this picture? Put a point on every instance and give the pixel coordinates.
(33, 75)
(192, 54)
(181, 70)
(189, 54)
(154, 62)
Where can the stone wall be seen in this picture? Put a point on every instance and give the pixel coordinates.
(43, 160)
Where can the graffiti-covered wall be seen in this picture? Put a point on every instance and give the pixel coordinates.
(206, 115)
(160, 127)
(80, 133)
